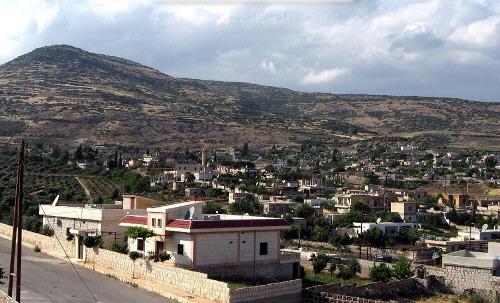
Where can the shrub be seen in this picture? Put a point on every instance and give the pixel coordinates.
(134, 255)
(37, 248)
(354, 267)
(402, 269)
(47, 230)
(120, 247)
(381, 273)
(319, 263)
(92, 241)
(332, 268)
(70, 237)
(164, 256)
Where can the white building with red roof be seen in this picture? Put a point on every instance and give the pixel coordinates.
(220, 245)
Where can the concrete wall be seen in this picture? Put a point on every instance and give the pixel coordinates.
(290, 290)
(5, 299)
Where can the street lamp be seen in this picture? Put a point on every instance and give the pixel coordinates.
(470, 234)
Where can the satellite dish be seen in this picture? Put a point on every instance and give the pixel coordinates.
(485, 227)
(55, 201)
(379, 220)
(189, 214)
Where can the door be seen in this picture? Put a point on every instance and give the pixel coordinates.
(80, 247)
(159, 247)
(296, 271)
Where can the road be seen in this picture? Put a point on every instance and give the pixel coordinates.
(47, 279)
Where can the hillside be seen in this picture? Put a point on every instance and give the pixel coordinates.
(66, 94)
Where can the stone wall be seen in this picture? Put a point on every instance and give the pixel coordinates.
(289, 289)
(4, 298)
(45, 243)
(190, 281)
(370, 293)
(459, 279)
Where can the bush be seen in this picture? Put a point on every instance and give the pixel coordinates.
(37, 248)
(164, 256)
(70, 237)
(47, 230)
(403, 269)
(381, 273)
(92, 241)
(354, 267)
(120, 247)
(319, 263)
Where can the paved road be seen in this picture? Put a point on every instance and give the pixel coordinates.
(47, 279)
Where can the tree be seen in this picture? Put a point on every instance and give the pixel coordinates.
(190, 177)
(319, 263)
(135, 232)
(134, 255)
(92, 241)
(354, 267)
(213, 208)
(381, 273)
(246, 206)
(360, 207)
(303, 210)
(490, 162)
(244, 150)
(78, 153)
(403, 269)
(332, 269)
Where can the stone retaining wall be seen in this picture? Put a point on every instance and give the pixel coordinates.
(460, 278)
(4, 298)
(337, 293)
(190, 281)
(45, 243)
(256, 293)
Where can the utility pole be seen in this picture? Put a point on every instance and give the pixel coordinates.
(360, 233)
(17, 230)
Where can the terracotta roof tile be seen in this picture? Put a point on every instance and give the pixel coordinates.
(135, 220)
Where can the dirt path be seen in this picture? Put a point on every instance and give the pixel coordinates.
(87, 191)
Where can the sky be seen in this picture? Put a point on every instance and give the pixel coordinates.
(442, 48)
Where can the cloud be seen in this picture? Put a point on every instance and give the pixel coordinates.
(406, 47)
(324, 76)
(268, 66)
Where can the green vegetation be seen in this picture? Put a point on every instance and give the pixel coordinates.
(381, 273)
(134, 255)
(120, 247)
(135, 232)
(319, 263)
(246, 206)
(92, 241)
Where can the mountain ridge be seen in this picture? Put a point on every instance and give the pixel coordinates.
(69, 94)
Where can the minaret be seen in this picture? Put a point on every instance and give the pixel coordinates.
(203, 158)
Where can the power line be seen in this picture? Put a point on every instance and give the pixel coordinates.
(67, 257)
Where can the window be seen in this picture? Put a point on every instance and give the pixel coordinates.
(159, 223)
(180, 249)
(140, 244)
(153, 222)
(263, 249)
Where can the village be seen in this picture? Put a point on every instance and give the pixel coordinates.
(309, 217)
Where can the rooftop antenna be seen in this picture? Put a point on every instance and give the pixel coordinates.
(485, 227)
(379, 220)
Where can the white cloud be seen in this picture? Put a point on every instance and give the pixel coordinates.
(268, 66)
(418, 47)
(324, 76)
(483, 33)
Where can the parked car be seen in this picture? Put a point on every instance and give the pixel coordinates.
(384, 258)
